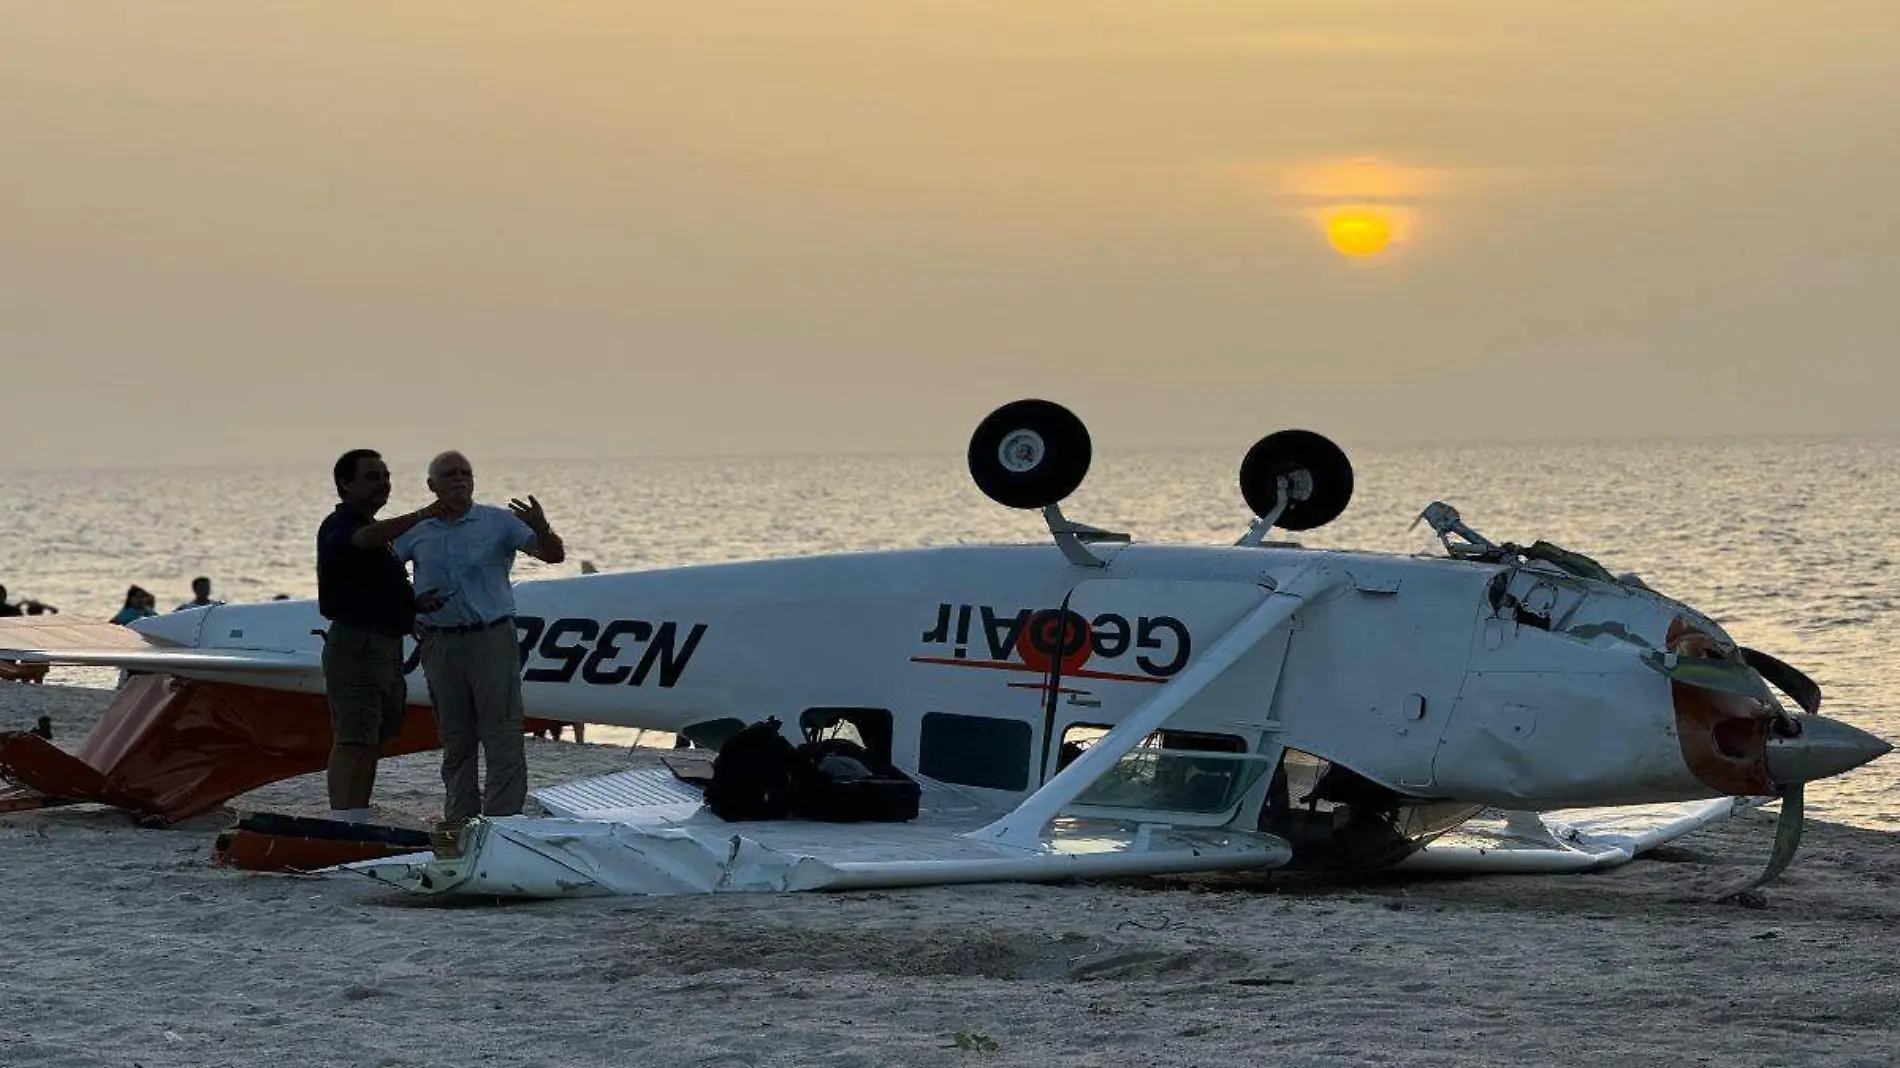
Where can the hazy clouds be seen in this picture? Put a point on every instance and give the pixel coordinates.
(243, 229)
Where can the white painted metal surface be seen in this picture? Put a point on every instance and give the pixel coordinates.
(514, 856)
(635, 788)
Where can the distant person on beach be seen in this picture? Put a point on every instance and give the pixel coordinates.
(14, 670)
(200, 595)
(365, 594)
(27, 607)
(138, 605)
(469, 651)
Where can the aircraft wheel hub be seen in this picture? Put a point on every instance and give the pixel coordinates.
(1021, 451)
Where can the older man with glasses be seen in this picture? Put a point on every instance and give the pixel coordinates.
(469, 656)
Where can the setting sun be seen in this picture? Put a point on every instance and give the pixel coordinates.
(1359, 233)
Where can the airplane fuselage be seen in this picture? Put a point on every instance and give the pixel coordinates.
(1435, 677)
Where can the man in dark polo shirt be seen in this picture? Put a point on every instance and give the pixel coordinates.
(364, 591)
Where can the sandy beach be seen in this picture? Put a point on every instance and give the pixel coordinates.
(128, 947)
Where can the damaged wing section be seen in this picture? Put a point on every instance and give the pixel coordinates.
(189, 730)
(1568, 840)
(269, 841)
(168, 748)
(671, 845)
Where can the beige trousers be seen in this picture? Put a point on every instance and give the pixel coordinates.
(475, 682)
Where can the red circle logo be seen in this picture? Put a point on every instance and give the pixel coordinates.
(1049, 630)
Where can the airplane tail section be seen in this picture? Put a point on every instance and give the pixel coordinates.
(170, 748)
(189, 730)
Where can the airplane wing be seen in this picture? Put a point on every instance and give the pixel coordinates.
(31, 641)
(644, 832)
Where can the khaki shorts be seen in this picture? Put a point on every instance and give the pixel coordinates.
(362, 673)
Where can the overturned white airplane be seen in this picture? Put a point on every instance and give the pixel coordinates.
(1088, 707)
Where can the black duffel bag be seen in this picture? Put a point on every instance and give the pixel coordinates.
(752, 775)
(839, 781)
(760, 775)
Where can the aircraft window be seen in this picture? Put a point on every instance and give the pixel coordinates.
(1177, 771)
(975, 751)
(1077, 737)
(869, 727)
(1199, 741)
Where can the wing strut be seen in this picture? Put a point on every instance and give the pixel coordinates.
(1022, 826)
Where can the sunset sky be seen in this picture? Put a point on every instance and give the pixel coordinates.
(254, 230)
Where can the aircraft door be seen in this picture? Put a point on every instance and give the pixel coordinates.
(1373, 676)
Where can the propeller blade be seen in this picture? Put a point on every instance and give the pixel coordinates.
(1722, 676)
(1789, 680)
(1787, 841)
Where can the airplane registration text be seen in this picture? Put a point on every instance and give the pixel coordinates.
(593, 650)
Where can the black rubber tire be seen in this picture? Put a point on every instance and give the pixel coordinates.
(1048, 451)
(1287, 451)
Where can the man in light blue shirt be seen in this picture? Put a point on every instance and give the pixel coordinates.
(469, 655)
